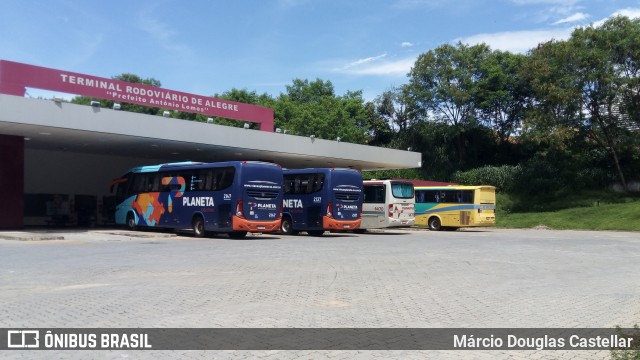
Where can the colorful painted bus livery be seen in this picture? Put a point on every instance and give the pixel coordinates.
(320, 199)
(227, 197)
(452, 207)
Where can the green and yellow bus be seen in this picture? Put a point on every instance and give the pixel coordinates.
(455, 206)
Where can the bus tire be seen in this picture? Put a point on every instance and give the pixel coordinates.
(434, 224)
(131, 221)
(198, 226)
(286, 226)
(237, 234)
(315, 232)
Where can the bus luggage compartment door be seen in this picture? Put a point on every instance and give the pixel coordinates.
(314, 216)
(465, 217)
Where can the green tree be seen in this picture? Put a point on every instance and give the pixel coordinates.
(379, 132)
(393, 107)
(582, 87)
(502, 93)
(443, 83)
(243, 96)
(443, 86)
(312, 108)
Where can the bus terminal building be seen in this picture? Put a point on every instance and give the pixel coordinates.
(57, 159)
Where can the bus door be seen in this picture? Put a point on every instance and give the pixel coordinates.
(374, 210)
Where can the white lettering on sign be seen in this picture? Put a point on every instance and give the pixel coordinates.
(155, 96)
(293, 203)
(349, 207)
(100, 84)
(197, 201)
(267, 206)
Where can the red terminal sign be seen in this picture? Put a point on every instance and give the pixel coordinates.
(14, 77)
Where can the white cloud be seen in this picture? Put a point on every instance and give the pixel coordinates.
(577, 17)
(412, 4)
(552, 2)
(631, 13)
(523, 41)
(163, 35)
(406, 44)
(375, 67)
(360, 62)
(518, 41)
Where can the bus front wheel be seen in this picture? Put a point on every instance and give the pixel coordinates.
(198, 226)
(131, 221)
(434, 224)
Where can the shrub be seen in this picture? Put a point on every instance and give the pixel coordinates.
(504, 178)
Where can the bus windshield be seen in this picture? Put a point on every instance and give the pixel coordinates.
(402, 190)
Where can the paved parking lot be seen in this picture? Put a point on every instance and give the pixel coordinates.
(478, 279)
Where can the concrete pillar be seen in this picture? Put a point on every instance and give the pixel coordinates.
(11, 182)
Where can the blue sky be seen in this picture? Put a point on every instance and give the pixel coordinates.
(208, 47)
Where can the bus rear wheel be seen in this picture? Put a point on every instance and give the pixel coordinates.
(198, 226)
(315, 232)
(434, 224)
(286, 226)
(131, 221)
(237, 234)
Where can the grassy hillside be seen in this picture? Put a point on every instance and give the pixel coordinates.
(591, 214)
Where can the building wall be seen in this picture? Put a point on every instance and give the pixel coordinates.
(11, 181)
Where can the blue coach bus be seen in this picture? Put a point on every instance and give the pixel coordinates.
(320, 199)
(226, 197)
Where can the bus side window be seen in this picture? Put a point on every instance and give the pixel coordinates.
(222, 178)
(139, 183)
(288, 184)
(296, 185)
(208, 177)
(467, 196)
(318, 181)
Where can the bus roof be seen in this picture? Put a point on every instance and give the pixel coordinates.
(455, 187)
(194, 165)
(316, 170)
(418, 182)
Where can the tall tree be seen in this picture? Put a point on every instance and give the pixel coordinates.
(443, 82)
(502, 94)
(393, 108)
(443, 85)
(584, 85)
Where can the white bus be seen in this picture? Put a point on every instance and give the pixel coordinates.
(387, 203)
